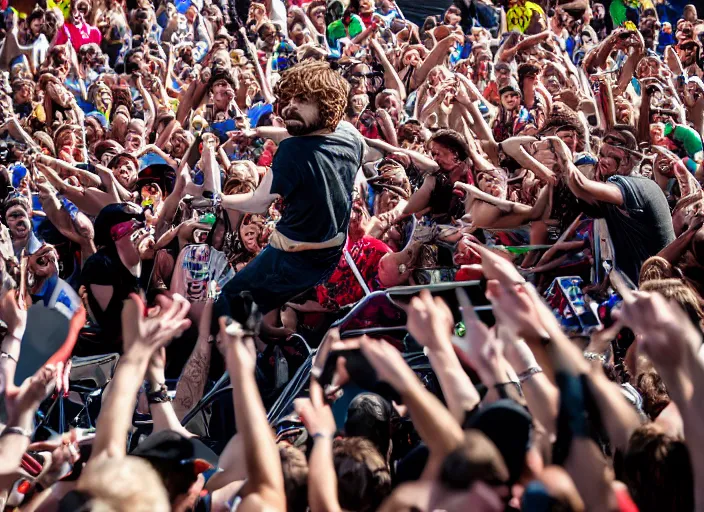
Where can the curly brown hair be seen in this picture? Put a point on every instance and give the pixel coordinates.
(317, 81)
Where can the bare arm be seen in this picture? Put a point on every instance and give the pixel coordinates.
(436, 57)
(391, 78)
(191, 384)
(265, 483)
(253, 202)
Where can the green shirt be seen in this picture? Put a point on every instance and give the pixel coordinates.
(337, 29)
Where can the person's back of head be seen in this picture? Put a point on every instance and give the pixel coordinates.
(677, 290)
(128, 484)
(295, 469)
(369, 416)
(476, 459)
(362, 474)
(658, 471)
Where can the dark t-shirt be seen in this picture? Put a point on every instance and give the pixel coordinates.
(315, 176)
(641, 227)
(105, 268)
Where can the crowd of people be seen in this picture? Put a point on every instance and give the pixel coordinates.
(207, 186)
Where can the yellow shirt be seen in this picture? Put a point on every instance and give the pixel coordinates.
(518, 17)
(63, 5)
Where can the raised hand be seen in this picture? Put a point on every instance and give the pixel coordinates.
(148, 330)
(429, 320)
(236, 345)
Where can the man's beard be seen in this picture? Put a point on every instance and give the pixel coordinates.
(299, 127)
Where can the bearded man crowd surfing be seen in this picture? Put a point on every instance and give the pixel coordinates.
(329, 255)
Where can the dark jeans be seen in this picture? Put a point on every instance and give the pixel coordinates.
(274, 277)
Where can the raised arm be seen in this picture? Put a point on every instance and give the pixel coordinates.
(265, 483)
(191, 383)
(142, 336)
(253, 202)
(430, 324)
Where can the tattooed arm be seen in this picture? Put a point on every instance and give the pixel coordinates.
(191, 384)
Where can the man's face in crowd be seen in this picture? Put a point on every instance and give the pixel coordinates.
(18, 223)
(125, 172)
(687, 53)
(510, 100)
(613, 157)
(223, 94)
(302, 116)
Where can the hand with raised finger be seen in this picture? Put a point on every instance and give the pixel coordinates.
(497, 267)
(429, 320)
(318, 420)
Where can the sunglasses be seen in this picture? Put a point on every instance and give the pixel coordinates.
(123, 229)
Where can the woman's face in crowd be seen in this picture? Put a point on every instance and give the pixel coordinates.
(412, 58)
(359, 103)
(35, 27)
(511, 100)
(126, 173)
(23, 94)
(366, 6)
(443, 156)
(250, 237)
(392, 105)
(452, 18)
(179, 145)
(302, 116)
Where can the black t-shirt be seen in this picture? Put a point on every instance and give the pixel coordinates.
(639, 228)
(105, 268)
(315, 176)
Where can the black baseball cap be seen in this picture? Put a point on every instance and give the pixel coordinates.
(112, 215)
(172, 448)
(509, 426)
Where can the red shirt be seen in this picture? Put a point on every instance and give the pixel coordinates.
(78, 36)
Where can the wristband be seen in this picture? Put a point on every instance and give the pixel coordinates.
(319, 435)
(527, 374)
(17, 431)
(593, 356)
(6, 355)
(159, 395)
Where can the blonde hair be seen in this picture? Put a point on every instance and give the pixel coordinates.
(316, 81)
(128, 484)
